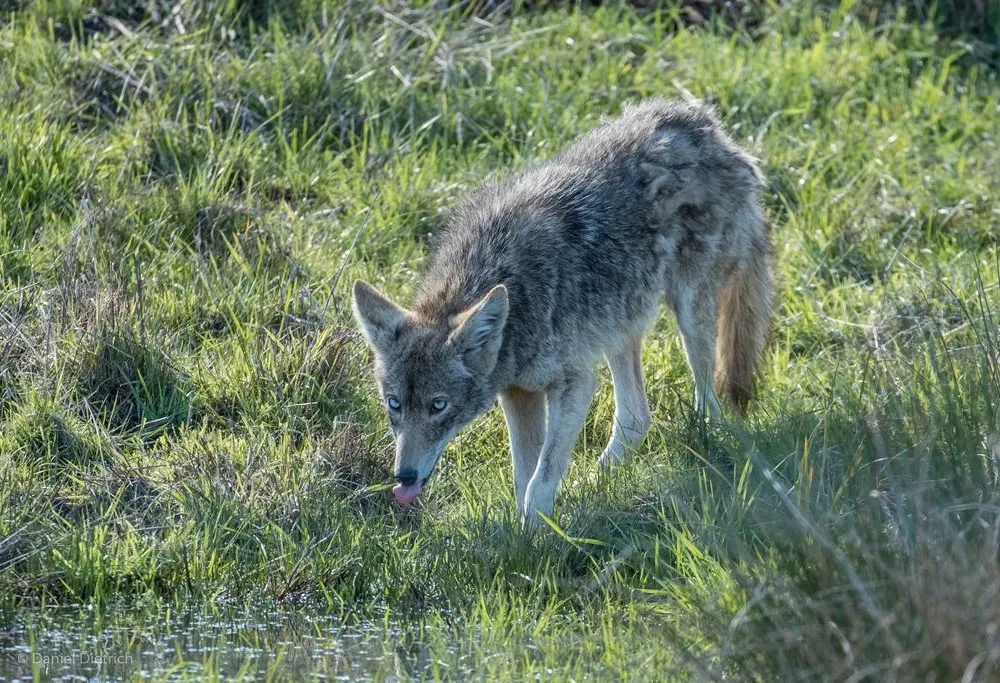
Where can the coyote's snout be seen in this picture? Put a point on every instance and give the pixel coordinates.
(540, 276)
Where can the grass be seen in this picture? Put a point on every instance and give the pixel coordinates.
(188, 429)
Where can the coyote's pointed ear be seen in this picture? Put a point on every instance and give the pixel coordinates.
(479, 331)
(378, 317)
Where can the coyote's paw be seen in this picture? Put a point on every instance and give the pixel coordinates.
(706, 407)
(612, 456)
(539, 498)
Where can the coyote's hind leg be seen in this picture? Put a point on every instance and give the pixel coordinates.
(697, 321)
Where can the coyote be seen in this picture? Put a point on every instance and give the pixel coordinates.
(539, 275)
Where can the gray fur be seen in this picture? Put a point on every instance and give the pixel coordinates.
(658, 201)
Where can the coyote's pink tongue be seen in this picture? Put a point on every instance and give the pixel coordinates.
(406, 494)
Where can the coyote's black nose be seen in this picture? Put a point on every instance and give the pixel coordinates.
(407, 477)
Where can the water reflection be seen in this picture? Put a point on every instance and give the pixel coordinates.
(77, 645)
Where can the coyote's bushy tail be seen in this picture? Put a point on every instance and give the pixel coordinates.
(745, 310)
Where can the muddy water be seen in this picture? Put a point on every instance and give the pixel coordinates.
(75, 645)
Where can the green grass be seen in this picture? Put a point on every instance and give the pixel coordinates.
(188, 424)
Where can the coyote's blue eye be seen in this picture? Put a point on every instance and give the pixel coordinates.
(439, 405)
(393, 403)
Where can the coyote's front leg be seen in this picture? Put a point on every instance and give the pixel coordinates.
(567, 404)
(525, 413)
(632, 418)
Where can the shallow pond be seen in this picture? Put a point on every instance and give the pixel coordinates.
(69, 644)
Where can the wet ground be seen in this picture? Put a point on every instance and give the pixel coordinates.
(69, 644)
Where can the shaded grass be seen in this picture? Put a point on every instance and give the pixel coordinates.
(186, 417)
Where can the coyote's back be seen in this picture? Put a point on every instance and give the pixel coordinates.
(658, 201)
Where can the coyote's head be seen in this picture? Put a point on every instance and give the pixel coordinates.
(434, 376)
